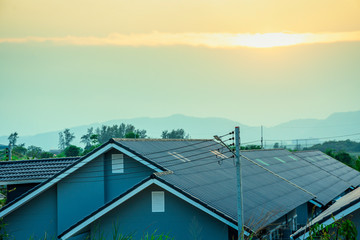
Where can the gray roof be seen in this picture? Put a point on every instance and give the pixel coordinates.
(205, 170)
(13, 172)
(298, 170)
(339, 207)
(332, 166)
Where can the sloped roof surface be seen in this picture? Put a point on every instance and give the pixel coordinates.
(33, 170)
(332, 166)
(294, 168)
(340, 205)
(205, 170)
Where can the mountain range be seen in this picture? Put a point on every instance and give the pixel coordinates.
(338, 126)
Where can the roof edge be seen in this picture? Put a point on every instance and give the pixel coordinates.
(329, 217)
(153, 179)
(47, 183)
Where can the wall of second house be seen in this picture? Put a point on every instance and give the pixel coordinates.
(117, 183)
(283, 227)
(305, 213)
(94, 184)
(180, 219)
(35, 218)
(80, 193)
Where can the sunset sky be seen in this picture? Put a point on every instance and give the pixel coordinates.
(68, 63)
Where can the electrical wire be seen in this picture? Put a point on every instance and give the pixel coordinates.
(145, 171)
(167, 150)
(170, 159)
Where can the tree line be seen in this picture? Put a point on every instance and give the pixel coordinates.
(91, 140)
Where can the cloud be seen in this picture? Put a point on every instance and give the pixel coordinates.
(212, 40)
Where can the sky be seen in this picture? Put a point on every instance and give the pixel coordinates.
(259, 62)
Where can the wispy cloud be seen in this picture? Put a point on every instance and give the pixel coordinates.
(212, 40)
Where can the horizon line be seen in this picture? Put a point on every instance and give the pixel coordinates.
(210, 40)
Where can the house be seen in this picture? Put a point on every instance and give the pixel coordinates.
(314, 171)
(20, 176)
(347, 207)
(186, 188)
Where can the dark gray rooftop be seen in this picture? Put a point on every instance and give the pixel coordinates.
(205, 170)
(339, 206)
(332, 166)
(296, 169)
(13, 172)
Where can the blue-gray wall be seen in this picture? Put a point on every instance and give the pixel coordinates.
(74, 197)
(180, 219)
(35, 218)
(94, 184)
(302, 214)
(117, 183)
(80, 193)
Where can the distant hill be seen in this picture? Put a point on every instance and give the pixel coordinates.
(346, 146)
(306, 132)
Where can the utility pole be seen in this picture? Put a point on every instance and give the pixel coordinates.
(262, 138)
(10, 151)
(239, 185)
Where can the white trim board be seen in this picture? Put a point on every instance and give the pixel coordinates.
(134, 192)
(80, 164)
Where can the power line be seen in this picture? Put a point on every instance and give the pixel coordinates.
(315, 138)
(189, 145)
(144, 171)
(169, 158)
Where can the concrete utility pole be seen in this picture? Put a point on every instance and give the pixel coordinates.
(262, 138)
(239, 185)
(10, 151)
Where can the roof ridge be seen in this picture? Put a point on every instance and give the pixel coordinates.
(39, 160)
(272, 149)
(157, 139)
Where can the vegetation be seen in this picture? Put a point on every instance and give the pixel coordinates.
(117, 235)
(65, 138)
(249, 147)
(175, 134)
(277, 145)
(341, 229)
(337, 146)
(13, 138)
(341, 150)
(104, 133)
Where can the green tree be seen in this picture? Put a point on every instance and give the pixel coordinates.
(249, 147)
(46, 155)
(72, 151)
(344, 158)
(104, 133)
(13, 138)
(86, 138)
(20, 149)
(34, 152)
(175, 134)
(131, 135)
(94, 139)
(65, 138)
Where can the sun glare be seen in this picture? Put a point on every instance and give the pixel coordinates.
(267, 40)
